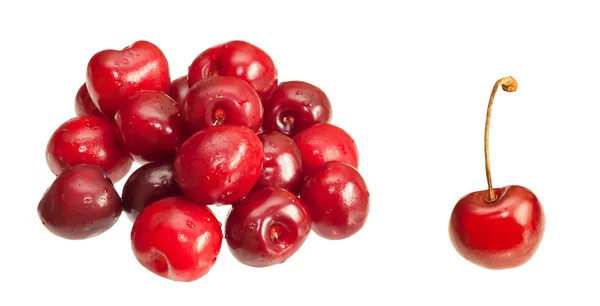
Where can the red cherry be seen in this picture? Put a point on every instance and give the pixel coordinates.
(150, 126)
(219, 165)
(283, 163)
(81, 203)
(236, 59)
(498, 228)
(177, 239)
(267, 227)
(296, 106)
(84, 104)
(148, 184)
(325, 142)
(338, 200)
(88, 139)
(115, 75)
(179, 88)
(221, 100)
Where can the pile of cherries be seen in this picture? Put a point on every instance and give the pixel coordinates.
(227, 133)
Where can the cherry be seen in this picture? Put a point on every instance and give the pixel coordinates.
(338, 200)
(325, 142)
(148, 184)
(296, 106)
(84, 104)
(115, 75)
(221, 100)
(283, 163)
(177, 239)
(498, 228)
(81, 203)
(179, 88)
(150, 126)
(88, 139)
(236, 59)
(267, 227)
(219, 164)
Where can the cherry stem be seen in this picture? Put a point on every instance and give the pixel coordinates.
(509, 84)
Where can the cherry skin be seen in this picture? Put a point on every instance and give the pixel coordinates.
(219, 164)
(296, 106)
(499, 235)
(177, 239)
(81, 203)
(179, 88)
(148, 184)
(150, 126)
(325, 142)
(338, 200)
(84, 104)
(283, 163)
(267, 227)
(115, 75)
(221, 100)
(236, 59)
(88, 139)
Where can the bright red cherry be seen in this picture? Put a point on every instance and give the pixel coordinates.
(338, 200)
(498, 228)
(236, 59)
(81, 203)
(219, 164)
(267, 227)
(150, 126)
(177, 239)
(88, 139)
(296, 106)
(148, 184)
(115, 75)
(283, 163)
(179, 88)
(221, 100)
(84, 104)
(325, 142)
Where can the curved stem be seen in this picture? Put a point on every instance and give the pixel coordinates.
(509, 84)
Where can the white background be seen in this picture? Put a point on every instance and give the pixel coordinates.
(410, 82)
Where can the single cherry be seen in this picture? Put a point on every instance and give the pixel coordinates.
(497, 228)
(296, 106)
(325, 142)
(150, 126)
(177, 239)
(221, 100)
(84, 104)
(219, 164)
(267, 227)
(81, 203)
(88, 139)
(236, 59)
(148, 184)
(115, 75)
(283, 163)
(338, 200)
(179, 88)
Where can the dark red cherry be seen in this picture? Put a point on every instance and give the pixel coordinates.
(283, 163)
(84, 104)
(179, 88)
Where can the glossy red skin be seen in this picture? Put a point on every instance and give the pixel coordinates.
(305, 103)
(115, 75)
(84, 104)
(236, 59)
(81, 203)
(325, 142)
(150, 126)
(267, 227)
(177, 239)
(88, 139)
(179, 88)
(146, 185)
(283, 163)
(219, 165)
(500, 235)
(338, 200)
(240, 103)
